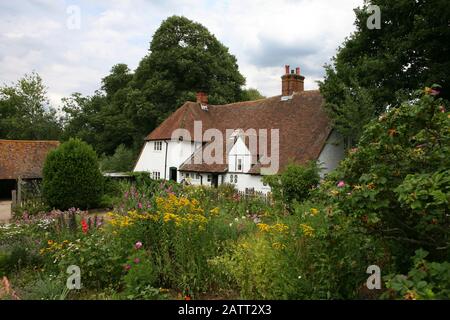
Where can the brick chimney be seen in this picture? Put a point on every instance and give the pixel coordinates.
(202, 97)
(291, 82)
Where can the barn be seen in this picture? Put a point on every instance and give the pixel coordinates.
(21, 160)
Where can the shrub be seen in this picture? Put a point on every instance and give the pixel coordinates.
(71, 177)
(425, 280)
(294, 183)
(395, 184)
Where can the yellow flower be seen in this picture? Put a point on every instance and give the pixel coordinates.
(214, 211)
(280, 227)
(314, 211)
(263, 227)
(334, 192)
(307, 230)
(50, 242)
(278, 245)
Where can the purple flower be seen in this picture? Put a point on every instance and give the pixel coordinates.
(138, 245)
(341, 184)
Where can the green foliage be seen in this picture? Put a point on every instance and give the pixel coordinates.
(71, 177)
(425, 280)
(313, 254)
(251, 94)
(184, 58)
(121, 161)
(295, 183)
(378, 67)
(141, 277)
(25, 112)
(396, 181)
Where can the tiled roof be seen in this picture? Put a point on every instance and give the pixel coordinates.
(302, 122)
(23, 158)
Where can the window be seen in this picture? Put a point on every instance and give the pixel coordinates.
(235, 178)
(187, 175)
(239, 165)
(156, 175)
(157, 145)
(197, 176)
(231, 178)
(209, 178)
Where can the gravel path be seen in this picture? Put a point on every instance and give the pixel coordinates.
(5, 211)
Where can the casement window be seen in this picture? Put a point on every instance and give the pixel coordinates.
(233, 178)
(239, 164)
(197, 176)
(187, 175)
(156, 175)
(157, 146)
(209, 178)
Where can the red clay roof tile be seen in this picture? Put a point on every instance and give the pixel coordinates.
(23, 158)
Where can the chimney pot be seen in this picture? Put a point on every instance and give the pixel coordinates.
(291, 81)
(202, 97)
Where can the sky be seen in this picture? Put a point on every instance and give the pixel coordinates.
(74, 44)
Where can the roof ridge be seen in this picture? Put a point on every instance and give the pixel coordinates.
(10, 140)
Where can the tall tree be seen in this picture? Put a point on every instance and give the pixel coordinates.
(103, 120)
(184, 58)
(25, 111)
(381, 66)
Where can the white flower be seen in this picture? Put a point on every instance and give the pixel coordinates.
(243, 217)
(231, 224)
(299, 277)
(236, 219)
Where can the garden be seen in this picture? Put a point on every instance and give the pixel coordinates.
(386, 205)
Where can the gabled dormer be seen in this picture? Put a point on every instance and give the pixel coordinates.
(240, 156)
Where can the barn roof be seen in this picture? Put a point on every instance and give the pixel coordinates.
(23, 158)
(302, 122)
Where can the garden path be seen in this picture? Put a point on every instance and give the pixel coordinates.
(5, 211)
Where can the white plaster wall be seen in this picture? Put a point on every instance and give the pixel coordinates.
(332, 153)
(154, 160)
(239, 151)
(247, 181)
(151, 160)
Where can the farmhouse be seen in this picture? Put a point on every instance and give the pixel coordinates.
(240, 142)
(21, 160)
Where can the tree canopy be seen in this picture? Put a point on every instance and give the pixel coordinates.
(377, 68)
(25, 111)
(184, 58)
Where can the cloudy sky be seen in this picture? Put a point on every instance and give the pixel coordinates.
(44, 36)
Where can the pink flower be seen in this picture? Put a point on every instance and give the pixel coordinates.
(138, 245)
(140, 205)
(127, 267)
(341, 184)
(137, 260)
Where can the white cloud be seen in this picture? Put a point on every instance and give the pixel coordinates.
(263, 35)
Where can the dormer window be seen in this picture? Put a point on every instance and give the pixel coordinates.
(157, 146)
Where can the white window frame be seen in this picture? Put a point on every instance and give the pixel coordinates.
(157, 146)
(156, 175)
